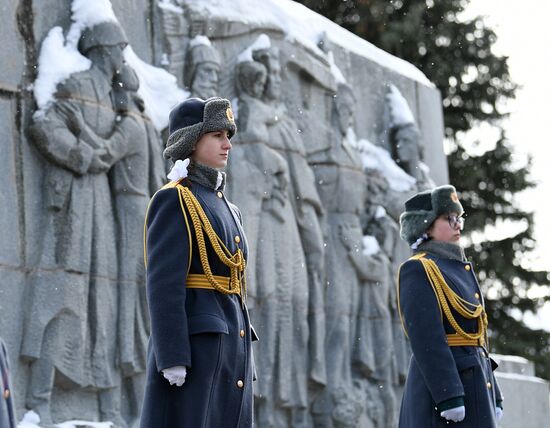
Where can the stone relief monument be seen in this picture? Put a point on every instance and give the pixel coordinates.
(77, 135)
(319, 203)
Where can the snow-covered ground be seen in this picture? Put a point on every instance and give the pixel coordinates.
(32, 420)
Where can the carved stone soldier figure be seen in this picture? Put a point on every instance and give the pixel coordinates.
(307, 298)
(342, 186)
(277, 280)
(406, 145)
(404, 136)
(386, 230)
(137, 173)
(202, 68)
(263, 182)
(73, 293)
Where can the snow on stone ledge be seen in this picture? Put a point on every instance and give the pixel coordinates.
(377, 158)
(262, 42)
(400, 112)
(380, 212)
(200, 40)
(305, 26)
(56, 62)
(370, 245)
(166, 5)
(336, 72)
(157, 87)
(59, 58)
(87, 13)
(32, 420)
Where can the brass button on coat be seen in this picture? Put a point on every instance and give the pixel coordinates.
(477, 295)
(241, 333)
(6, 394)
(240, 383)
(220, 194)
(489, 385)
(467, 267)
(237, 239)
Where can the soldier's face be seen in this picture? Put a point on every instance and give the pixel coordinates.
(205, 82)
(213, 149)
(442, 230)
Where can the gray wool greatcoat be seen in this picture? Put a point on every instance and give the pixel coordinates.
(204, 330)
(437, 371)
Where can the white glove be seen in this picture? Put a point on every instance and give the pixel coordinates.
(175, 375)
(456, 414)
(499, 413)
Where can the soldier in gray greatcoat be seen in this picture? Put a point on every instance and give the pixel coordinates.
(199, 363)
(450, 374)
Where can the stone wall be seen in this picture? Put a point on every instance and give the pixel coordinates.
(526, 397)
(308, 91)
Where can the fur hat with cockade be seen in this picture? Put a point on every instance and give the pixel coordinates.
(423, 209)
(193, 118)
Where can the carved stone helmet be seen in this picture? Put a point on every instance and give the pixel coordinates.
(198, 54)
(104, 34)
(423, 209)
(193, 118)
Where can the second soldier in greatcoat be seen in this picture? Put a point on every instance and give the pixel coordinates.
(450, 375)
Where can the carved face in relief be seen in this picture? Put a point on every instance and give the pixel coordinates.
(257, 88)
(115, 56)
(205, 81)
(273, 88)
(406, 140)
(109, 58)
(252, 78)
(345, 108)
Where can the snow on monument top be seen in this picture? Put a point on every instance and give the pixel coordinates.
(306, 27)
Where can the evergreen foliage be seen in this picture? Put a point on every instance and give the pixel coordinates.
(456, 55)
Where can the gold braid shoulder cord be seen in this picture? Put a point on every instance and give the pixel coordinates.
(235, 262)
(201, 224)
(445, 296)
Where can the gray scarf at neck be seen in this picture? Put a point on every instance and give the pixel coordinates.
(206, 176)
(442, 249)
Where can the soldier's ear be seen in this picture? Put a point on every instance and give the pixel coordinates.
(429, 231)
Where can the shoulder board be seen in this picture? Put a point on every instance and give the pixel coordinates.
(417, 256)
(171, 184)
(179, 187)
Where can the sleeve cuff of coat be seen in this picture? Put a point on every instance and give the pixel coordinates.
(451, 403)
(499, 404)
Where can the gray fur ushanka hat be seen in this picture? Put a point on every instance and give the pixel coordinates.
(423, 209)
(193, 118)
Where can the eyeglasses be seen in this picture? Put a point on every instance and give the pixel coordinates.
(456, 221)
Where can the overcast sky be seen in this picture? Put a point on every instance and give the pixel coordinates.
(523, 36)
